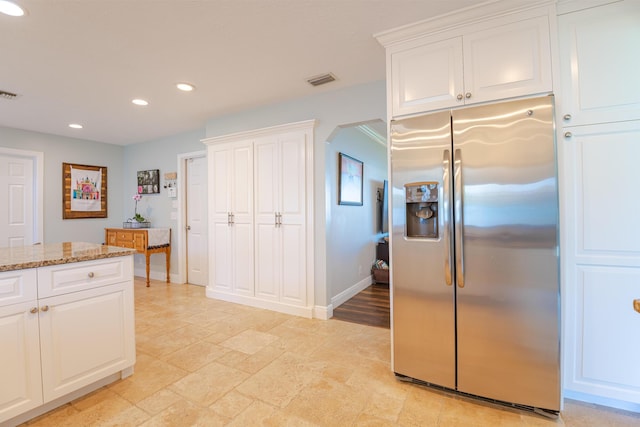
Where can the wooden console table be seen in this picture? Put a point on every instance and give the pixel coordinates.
(145, 241)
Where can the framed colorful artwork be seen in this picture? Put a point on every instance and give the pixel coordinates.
(84, 191)
(149, 181)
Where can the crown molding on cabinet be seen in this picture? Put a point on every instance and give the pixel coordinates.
(462, 18)
(303, 125)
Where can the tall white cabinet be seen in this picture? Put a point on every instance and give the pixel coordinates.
(231, 222)
(261, 208)
(600, 144)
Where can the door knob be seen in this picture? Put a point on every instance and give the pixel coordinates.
(188, 227)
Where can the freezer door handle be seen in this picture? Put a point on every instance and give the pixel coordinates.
(446, 215)
(458, 201)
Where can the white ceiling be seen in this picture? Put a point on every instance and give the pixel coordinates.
(83, 61)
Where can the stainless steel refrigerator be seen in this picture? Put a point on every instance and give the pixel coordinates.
(474, 252)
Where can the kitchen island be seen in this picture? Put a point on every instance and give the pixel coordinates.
(66, 324)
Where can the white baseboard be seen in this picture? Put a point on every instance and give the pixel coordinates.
(260, 303)
(323, 312)
(603, 401)
(350, 292)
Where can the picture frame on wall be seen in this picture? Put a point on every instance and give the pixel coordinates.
(350, 180)
(149, 181)
(84, 191)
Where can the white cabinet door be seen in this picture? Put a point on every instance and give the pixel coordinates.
(21, 386)
(85, 336)
(599, 64)
(504, 61)
(508, 61)
(231, 217)
(292, 219)
(280, 218)
(427, 77)
(601, 260)
(267, 196)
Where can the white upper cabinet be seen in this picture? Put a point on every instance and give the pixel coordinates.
(427, 76)
(499, 61)
(507, 61)
(599, 64)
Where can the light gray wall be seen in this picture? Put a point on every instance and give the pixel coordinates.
(352, 231)
(159, 154)
(331, 109)
(58, 150)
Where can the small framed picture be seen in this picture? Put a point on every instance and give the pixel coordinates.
(149, 181)
(350, 177)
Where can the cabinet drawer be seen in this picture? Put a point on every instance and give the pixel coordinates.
(73, 277)
(17, 286)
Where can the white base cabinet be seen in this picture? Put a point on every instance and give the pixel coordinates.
(70, 339)
(21, 388)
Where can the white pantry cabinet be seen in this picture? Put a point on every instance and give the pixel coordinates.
(231, 219)
(81, 332)
(507, 58)
(602, 259)
(281, 217)
(599, 143)
(261, 208)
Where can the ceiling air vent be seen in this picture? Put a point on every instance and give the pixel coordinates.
(321, 79)
(7, 95)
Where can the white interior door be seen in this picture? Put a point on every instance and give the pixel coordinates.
(197, 268)
(17, 194)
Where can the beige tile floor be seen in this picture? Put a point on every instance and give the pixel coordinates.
(203, 362)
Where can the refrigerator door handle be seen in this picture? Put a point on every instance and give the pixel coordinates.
(446, 215)
(457, 181)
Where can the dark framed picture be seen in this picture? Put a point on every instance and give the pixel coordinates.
(84, 191)
(149, 181)
(350, 177)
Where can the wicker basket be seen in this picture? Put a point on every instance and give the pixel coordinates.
(136, 224)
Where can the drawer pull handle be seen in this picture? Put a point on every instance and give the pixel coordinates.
(90, 275)
(45, 308)
(33, 310)
(636, 305)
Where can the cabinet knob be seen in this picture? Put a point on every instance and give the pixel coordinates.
(636, 305)
(467, 95)
(459, 97)
(33, 310)
(90, 275)
(44, 308)
(568, 134)
(567, 117)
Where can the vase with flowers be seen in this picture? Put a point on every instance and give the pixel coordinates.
(138, 221)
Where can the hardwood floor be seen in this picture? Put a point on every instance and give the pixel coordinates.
(369, 307)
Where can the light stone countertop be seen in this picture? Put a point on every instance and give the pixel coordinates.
(22, 257)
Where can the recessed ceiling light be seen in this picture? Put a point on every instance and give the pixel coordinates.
(10, 8)
(186, 87)
(140, 102)
(75, 126)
